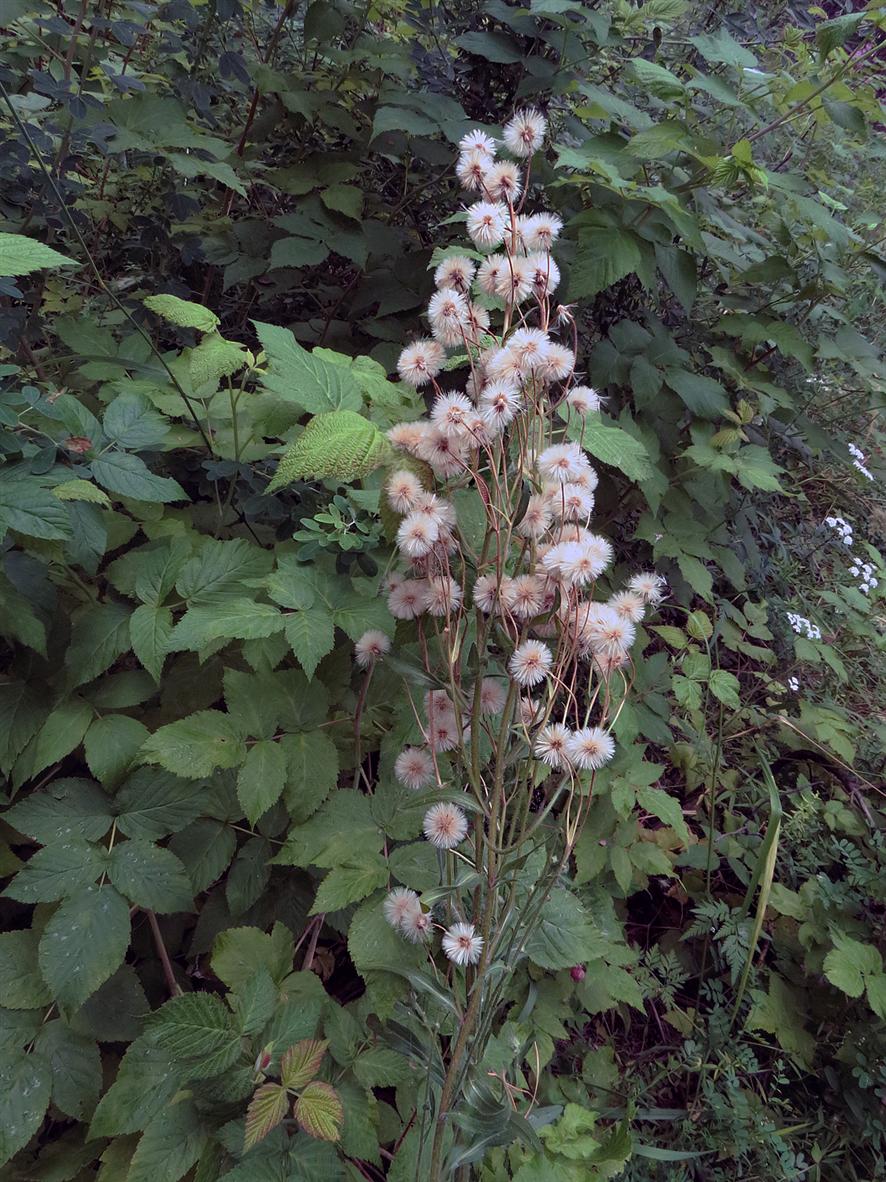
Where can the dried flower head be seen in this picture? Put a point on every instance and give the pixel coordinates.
(456, 272)
(371, 647)
(403, 490)
(525, 133)
(445, 825)
(420, 362)
(408, 599)
(487, 221)
(530, 663)
(399, 902)
(650, 586)
(590, 747)
(414, 768)
(462, 945)
(552, 744)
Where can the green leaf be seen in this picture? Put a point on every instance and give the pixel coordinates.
(81, 490)
(111, 746)
(876, 993)
(84, 942)
(214, 358)
(239, 618)
(655, 79)
(32, 510)
(344, 199)
(703, 396)
(319, 1111)
(720, 47)
(62, 732)
(131, 422)
(195, 746)
(338, 444)
(829, 35)
(238, 953)
(603, 256)
(24, 1097)
(76, 1068)
(57, 871)
(726, 688)
(298, 252)
(615, 447)
(304, 378)
(266, 1110)
(67, 807)
(666, 807)
(312, 762)
(21, 986)
(301, 1062)
(100, 635)
(680, 273)
(20, 255)
(150, 628)
(220, 571)
(261, 779)
(311, 636)
(170, 1145)
(152, 804)
(780, 1012)
(254, 1003)
(128, 476)
(850, 963)
(564, 934)
(150, 877)
(182, 313)
(622, 867)
(197, 1028)
(146, 1081)
(349, 884)
(205, 848)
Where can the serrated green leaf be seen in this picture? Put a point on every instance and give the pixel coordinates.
(664, 806)
(67, 807)
(182, 313)
(300, 1063)
(20, 255)
(24, 1098)
(319, 1111)
(81, 490)
(237, 618)
(266, 1110)
(304, 378)
(214, 358)
(150, 627)
(126, 475)
(61, 733)
(311, 636)
(726, 688)
(613, 446)
(564, 934)
(21, 985)
(76, 1068)
(150, 876)
(261, 779)
(195, 746)
(32, 510)
(348, 884)
(312, 772)
(338, 444)
(152, 804)
(603, 257)
(170, 1145)
(56, 871)
(199, 1030)
(111, 746)
(84, 942)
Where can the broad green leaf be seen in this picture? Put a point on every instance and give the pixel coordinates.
(111, 746)
(303, 378)
(604, 256)
(613, 446)
(56, 871)
(81, 490)
(214, 358)
(152, 804)
(261, 779)
(720, 47)
(62, 732)
(131, 422)
(76, 1068)
(312, 772)
(319, 1111)
(300, 1063)
(726, 688)
(66, 807)
(83, 944)
(348, 884)
(298, 252)
(850, 963)
(20, 255)
(703, 396)
(170, 1145)
(24, 1097)
(21, 986)
(666, 807)
(564, 934)
(32, 510)
(205, 847)
(220, 571)
(266, 1110)
(99, 635)
(146, 1080)
(150, 876)
(780, 1012)
(195, 746)
(150, 628)
(198, 1030)
(311, 636)
(655, 79)
(239, 952)
(254, 1003)
(876, 993)
(182, 313)
(128, 476)
(248, 876)
(338, 444)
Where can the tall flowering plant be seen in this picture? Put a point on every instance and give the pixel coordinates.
(526, 648)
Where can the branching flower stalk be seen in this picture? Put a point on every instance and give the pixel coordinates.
(528, 647)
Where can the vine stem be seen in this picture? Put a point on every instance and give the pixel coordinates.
(168, 973)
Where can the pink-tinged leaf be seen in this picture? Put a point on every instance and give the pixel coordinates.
(319, 1111)
(301, 1062)
(266, 1109)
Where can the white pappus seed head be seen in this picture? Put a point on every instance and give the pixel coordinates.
(371, 647)
(445, 825)
(462, 945)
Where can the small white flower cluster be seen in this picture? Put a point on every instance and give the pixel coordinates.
(858, 461)
(516, 422)
(794, 685)
(842, 527)
(864, 572)
(404, 912)
(801, 625)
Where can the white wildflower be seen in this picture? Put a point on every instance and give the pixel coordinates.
(462, 945)
(445, 825)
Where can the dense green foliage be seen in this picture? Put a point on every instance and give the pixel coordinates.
(217, 224)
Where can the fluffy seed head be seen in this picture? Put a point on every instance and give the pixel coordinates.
(551, 745)
(371, 647)
(586, 560)
(490, 594)
(448, 315)
(525, 133)
(536, 519)
(559, 364)
(499, 404)
(456, 272)
(444, 595)
(502, 181)
(445, 825)
(530, 663)
(583, 400)
(403, 490)
(526, 596)
(487, 221)
(531, 347)
(477, 141)
(562, 461)
(542, 230)
(545, 274)
(417, 534)
(420, 361)
(607, 633)
(408, 599)
(629, 605)
(416, 926)
(590, 748)
(516, 282)
(493, 695)
(399, 902)
(407, 436)
(414, 768)
(490, 272)
(461, 944)
(443, 452)
(650, 586)
(451, 412)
